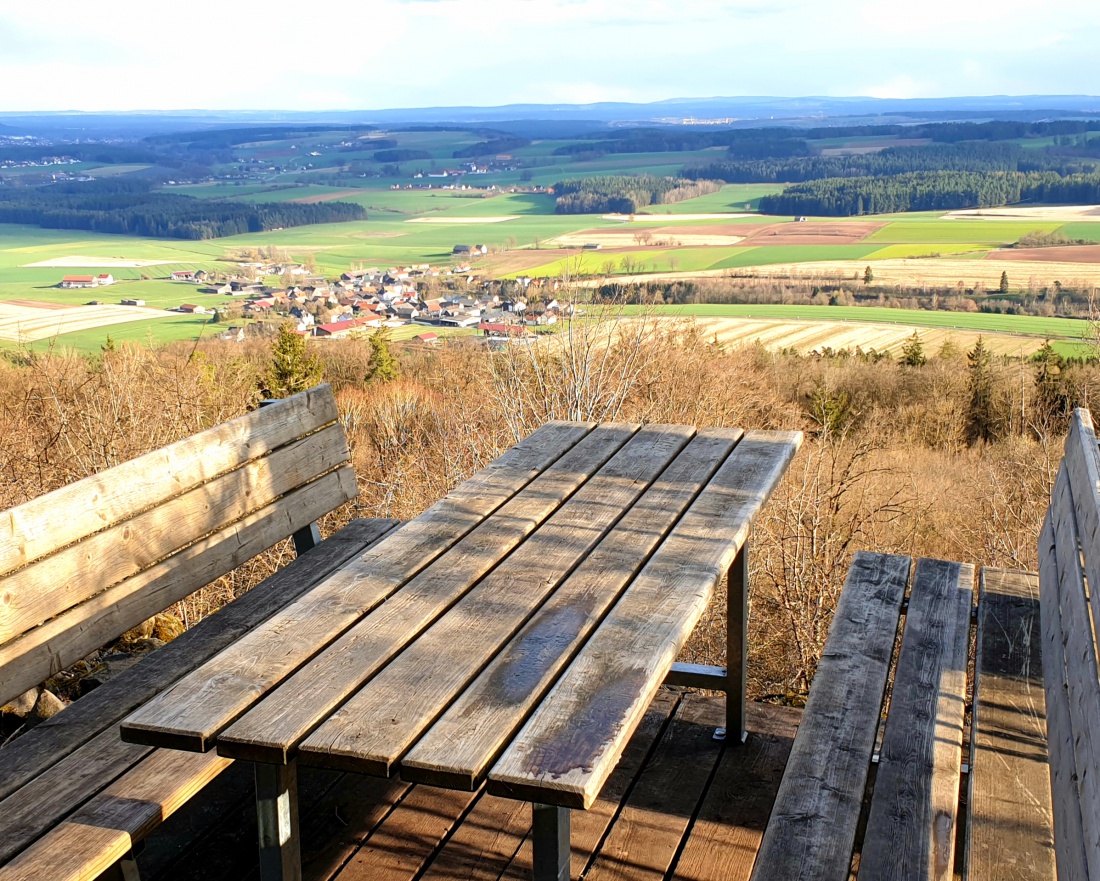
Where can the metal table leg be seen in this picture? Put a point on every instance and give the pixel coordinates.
(277, 812)
(550, 832)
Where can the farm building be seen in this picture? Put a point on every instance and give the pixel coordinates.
(79, 281)
(494, 328)
(342, 329)
(104, 279)
(428, 337)
(184, 275)
(133, 302)
(193, 309)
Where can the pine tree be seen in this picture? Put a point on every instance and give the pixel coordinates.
(912, 353)
(382, 366)
(292, 369)
(1004, 282)
(983, 420)
(868, 275)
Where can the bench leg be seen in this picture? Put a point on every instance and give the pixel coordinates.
(737, 648)
(277, 812)
(550, 833)
(125, 869)
(306, 539)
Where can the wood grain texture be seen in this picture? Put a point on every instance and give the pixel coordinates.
(727, 832)
(570, 745)
(647, 833)
(912, 823)
(1082, 460)
(813, 824)
(61, 580)
(1069, 845)
(375, 728)
(194, 711)
(40, 653)
(68, 514)
(48, 743)
(273, 730)
(1081, 666)
(1010, 825)
(97, 836)
(459, 748)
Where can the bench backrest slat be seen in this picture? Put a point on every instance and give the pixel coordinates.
(816, 812)
(130, 541)
(911, 826)
(1082, 685)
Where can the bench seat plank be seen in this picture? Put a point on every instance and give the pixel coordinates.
(30, 755)
(911, 826)
(375, 728)
(459, 748)
(105, 829)
(194, 711)
(1010, 819)
(68, 514)
(272, 731)
(571, 744)
(812, 829)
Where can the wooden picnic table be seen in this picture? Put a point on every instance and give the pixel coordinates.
(512, 635)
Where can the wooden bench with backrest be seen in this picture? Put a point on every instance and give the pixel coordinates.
(84, 564)
(887, 782)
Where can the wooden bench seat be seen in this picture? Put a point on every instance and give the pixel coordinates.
(884, 796)
(88, 562)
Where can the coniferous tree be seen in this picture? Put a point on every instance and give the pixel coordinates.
(1004, 282)
(912, 353)
(293, 368)
(868, 275)
(983, 419)
(382, 366)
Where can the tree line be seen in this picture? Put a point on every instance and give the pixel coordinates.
(490, 147)
(625, 194)
(131, 208)
(930, 191)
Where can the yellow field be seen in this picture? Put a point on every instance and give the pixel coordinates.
(24, 323)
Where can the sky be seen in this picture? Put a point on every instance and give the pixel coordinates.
(374, 54)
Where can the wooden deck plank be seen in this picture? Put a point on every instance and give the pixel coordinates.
(58, 582)
(813, 826)
(196, 709)
(375, 728)
(24, 759)
(1069, 847)
(647, 833)
(727, 833)
(1081, 668)
(459, 748)
(40, 653)
(40, 526)
(1009, 829)
(272, 731)
(589, 828)
(911, 826)
(571, 744)
(103, 831)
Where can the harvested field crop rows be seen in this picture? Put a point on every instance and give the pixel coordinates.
(22, 323)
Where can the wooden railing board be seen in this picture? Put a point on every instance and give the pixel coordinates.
(200, 706)
(41, 526)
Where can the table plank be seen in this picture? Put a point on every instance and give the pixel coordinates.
(1009, 826)
(459, 748)
(378, 725)
(911, 826)
(191, 713)
(572, 742)
(813, 824)
(271, 731)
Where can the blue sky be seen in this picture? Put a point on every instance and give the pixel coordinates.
(368, 54)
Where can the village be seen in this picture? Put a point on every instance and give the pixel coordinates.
(363, 300)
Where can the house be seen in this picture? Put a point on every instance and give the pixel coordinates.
(104, 279)
(79, 281)
(461, 249)
(192, 308)
(406, 311)
(183, 275)
(342, 329)
(429, 337)
(458, 320)
(233, 335)
(481, 249)
(492, 328)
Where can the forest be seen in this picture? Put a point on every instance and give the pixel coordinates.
(131, 207)
(625, 194)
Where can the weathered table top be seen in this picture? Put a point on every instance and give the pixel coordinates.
(515, 631)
